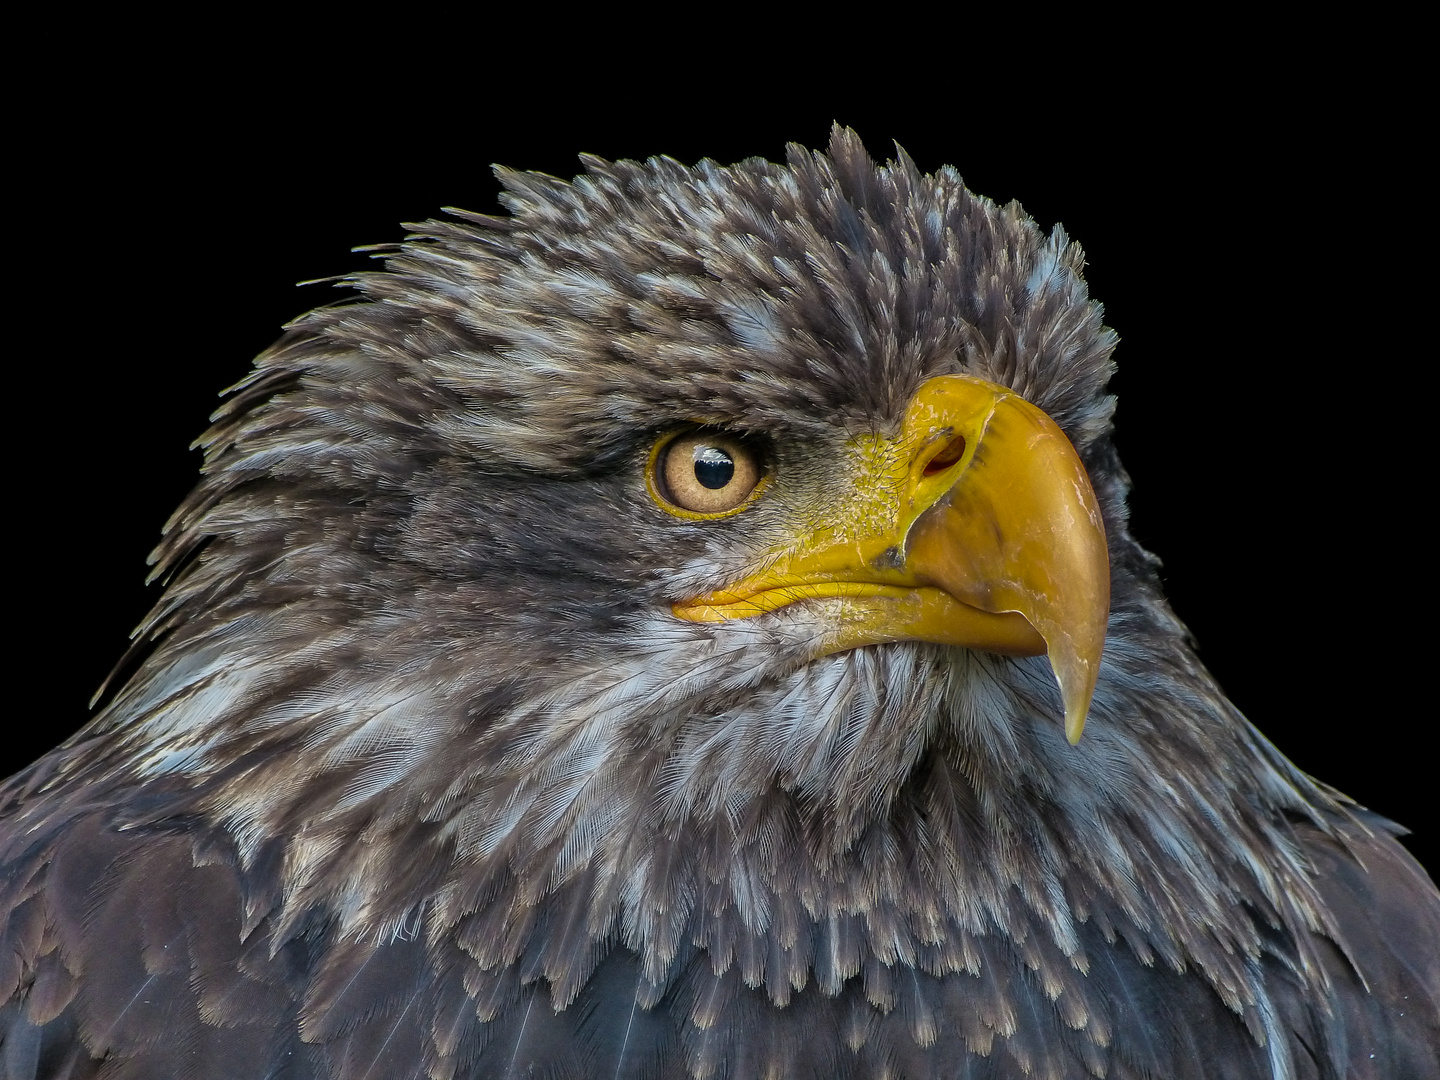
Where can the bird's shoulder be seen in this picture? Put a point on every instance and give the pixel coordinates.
(151, 949)
(127, 946)
(1384, 961)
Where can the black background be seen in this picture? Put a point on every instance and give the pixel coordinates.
(1250, 222)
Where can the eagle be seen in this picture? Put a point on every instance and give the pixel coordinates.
(687, 626)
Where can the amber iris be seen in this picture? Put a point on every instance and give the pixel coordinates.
(706, 473)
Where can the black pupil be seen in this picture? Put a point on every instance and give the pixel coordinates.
(714, 468)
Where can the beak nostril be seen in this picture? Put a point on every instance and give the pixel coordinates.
(949, 454)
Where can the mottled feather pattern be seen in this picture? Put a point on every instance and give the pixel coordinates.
(419, 778)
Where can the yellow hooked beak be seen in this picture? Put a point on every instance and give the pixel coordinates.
(977, 526)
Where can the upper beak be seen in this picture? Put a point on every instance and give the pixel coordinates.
(977, 526)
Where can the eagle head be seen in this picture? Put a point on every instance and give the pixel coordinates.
(681, 599)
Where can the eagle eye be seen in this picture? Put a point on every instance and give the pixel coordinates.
(704, 473)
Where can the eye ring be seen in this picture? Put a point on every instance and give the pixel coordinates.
(702, 474)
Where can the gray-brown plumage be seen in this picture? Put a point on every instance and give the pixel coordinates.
(423, 777)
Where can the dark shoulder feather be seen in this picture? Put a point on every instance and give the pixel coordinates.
(1385, 967)
(140, 968)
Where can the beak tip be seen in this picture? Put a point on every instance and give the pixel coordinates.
(1076, 673)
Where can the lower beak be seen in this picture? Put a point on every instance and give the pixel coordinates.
(976, 527)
